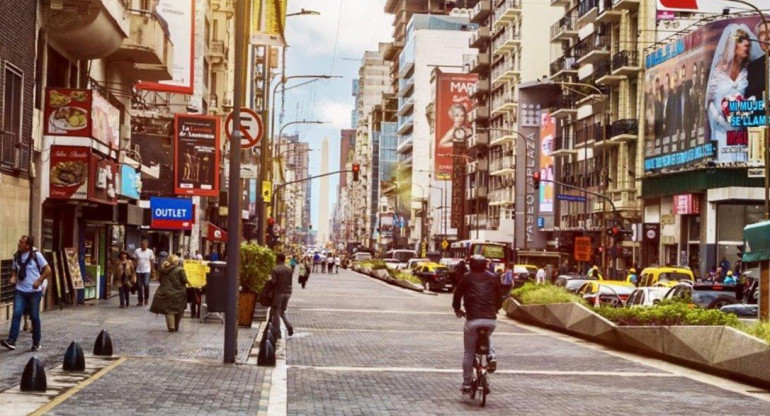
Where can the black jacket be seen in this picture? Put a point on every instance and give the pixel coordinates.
(756, 77)
(480, 293)
(281, 278)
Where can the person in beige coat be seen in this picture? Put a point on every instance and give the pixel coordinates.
(124, 277)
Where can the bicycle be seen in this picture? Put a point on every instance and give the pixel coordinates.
(480, 382)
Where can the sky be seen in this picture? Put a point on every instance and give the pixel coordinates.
(331, 43)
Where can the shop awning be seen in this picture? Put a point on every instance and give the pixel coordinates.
(757, 240)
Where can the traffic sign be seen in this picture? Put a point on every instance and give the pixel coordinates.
(267, 191)
(582, 248)
(444, 244)
(251, 128)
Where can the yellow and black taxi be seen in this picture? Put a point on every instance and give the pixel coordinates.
(609, 292)
(665, 276)
(434, 276)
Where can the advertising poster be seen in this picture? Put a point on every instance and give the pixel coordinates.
(196, 155)
(457, 218)
(68, 112)
(157, 152)
(73, 268)
(102, 187)
(452, 123)
(69, 172)
(268, 21)
(171, 213)
(178, 17)
(703, 6)
(547, 131)
(105, 119)
(130, 182)
(702, 92)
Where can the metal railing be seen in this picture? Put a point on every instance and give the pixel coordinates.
(625, 58)
(590, 44)
(563, 63)
(625, 126)
(586, 6)
(568, 22)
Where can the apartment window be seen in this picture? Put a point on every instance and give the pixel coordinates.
(11, 123)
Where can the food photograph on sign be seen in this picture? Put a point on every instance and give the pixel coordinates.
(703, 92)
(453, 126)
(69, 172)
(196, 167)
(67, 112)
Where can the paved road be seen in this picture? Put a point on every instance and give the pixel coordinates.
(365, 348)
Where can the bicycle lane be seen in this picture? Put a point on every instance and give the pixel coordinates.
(362, 347)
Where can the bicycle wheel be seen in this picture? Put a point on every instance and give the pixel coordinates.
(483, 390)
(474, 386)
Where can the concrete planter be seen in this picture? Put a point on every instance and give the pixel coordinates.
(718, 349)
(366, 270)
(381, 274)
(407, 285)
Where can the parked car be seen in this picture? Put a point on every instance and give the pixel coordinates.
(450, 262)
(704, 295)
(743, 310)
(392, 263)
(434, 276)
(646, 296)
(362, 256)
(665, 276)
(572, 282)
(523, 273)
(412, 263)
(609, 292)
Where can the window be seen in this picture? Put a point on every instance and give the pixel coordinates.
(11, 122)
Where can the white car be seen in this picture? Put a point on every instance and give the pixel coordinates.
(449, 262)
(362, 256)
(393, 263)
(413, 263)
(646, 296)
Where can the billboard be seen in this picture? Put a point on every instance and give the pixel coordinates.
(81, 113)
(699, 89)
(452, 123)
(706, 6)
(157, 152)
(178, 20)
(196, 155)
(69, 172)
(547, 131)
(171, 213)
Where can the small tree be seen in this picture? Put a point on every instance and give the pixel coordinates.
(257, 263)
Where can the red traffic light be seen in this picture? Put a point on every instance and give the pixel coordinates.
(356, 169)
(270, 221)
(614, 230)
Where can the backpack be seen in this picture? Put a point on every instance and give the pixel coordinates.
(21, 274)
(268, 292)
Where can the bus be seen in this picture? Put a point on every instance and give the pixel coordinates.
(496, 252)
(402, 255)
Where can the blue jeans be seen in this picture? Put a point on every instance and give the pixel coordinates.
(470, 337)
(143, 286)
(26, 302)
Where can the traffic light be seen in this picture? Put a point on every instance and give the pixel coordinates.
(356, 169)
(741, 248)
(536, 180)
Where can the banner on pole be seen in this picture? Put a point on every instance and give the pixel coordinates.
(272, 16)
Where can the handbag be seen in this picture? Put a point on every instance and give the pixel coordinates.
(268, 291)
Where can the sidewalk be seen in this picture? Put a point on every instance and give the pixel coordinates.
(164, 373)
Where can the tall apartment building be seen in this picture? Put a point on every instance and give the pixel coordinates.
(343, 216)
(295, 159)
(596, 48)
(510, 42)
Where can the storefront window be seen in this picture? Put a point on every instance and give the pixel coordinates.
(731, 219)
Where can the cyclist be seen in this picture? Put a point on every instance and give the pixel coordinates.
(479, 291)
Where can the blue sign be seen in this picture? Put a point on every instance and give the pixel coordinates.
(540, 222)
(570, 198)
(704, 151)
(172, 213)
(130, 182)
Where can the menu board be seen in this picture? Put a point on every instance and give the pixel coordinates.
(72, 265)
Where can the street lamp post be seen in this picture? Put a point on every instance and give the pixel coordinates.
(767, 108)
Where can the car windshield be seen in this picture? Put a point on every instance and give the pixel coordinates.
(441, 269)
(520, 269)
(673, 277)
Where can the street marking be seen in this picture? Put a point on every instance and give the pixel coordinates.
(69, 393)
(374, 311)
(458, 370)
(414, 331)
(278, 402)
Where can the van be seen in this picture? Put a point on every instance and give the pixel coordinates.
(665, 276)
(362, 256)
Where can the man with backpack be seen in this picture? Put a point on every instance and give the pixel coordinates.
(281, 282)
(30, 270)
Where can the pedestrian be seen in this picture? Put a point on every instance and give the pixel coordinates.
(729, 279)
(281, 277)
(293, 262)
(198, 255)
(540, 276)
(304, 272)
(632, 278)
(724, 265)
(330, 263)
(214, 256)
(549, 273)
(316, 261)
(124, 277)
(28, 272)
(171, 297)
(564, 269)
(459, 271)
(337, 263)
(506, 281)
(143, 263)
(322, 261)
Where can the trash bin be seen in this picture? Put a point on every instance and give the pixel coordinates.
(215, 287)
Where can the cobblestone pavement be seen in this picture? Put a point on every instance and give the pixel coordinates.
(135, 332)
(364, 348)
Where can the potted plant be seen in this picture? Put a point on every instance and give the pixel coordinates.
(257, 263)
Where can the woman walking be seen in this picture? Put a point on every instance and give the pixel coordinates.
(124, 276)
(170, 298)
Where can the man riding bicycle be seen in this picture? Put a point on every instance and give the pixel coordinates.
(479, 290)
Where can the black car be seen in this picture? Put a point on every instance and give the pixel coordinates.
(435, 277)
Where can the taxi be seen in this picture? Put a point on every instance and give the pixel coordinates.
(665, 276)
(613, 292)
(434, 276)
(523, 273)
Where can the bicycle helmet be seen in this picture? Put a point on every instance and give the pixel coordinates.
(478, 263)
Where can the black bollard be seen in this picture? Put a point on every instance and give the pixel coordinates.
(269, 336)
(33, 377)
(266, 355)
(103, 345)
(73, 358)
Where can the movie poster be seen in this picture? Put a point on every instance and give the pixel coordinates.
(452, 123)
(547, 131)
(196, 167)
(702, 93)
(157, 152)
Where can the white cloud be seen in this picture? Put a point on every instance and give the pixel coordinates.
(363, 24)
(335, 112)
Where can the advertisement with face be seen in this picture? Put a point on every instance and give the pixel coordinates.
(452, 123)
(547, 131)
(177, 17)
(196, 167)
(699, 89)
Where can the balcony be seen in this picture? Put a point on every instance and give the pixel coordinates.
(560, 3)
(503, 103)
(476, 64)
(565, 28)
(478, 165)
(217, 51)
(506, 41)
(147, 54)
(629, 5)
(592, 49)
(479, 138)
(405, 105)
(479, 38)
(601, 135)
(87, 29)
(405, 67)
(225, 6)
(506, 70)
(475, 221)
(405, 159)
(480, 113)
(482, 10)
(476, 192)
(506, 11)
(565, 65)
(626, 63)
(405, 124)
(562, 147)
(564, 107)
(480, 88)
(503, 166)
(501, 136)
(404, 143)
(624, 130)
(608, 14)
(501, 197)
(587, 11)
(603, 74)
(405, 86)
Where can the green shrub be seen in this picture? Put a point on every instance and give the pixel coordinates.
(378, 265)
(544, 294)
(257, 263)
(401, 275)
(667, 313)
(760, 330)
